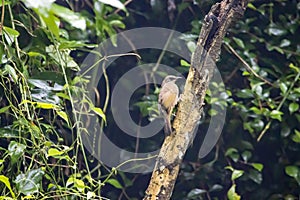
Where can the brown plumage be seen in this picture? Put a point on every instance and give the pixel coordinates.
(167, 99)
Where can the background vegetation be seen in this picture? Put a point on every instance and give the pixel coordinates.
(42, 46)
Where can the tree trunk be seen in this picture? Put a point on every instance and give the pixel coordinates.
(207, 52)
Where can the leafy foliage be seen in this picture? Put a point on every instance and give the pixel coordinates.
(42, 46)
(41, 152)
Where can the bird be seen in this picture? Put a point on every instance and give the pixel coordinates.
(167, 99)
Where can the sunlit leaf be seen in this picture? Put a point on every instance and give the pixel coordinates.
(54, 152)
(184, 63)
(276, 114)
(36, 54)
(99, 112)
(69, 16)
(232, 195)
(258, 166)
(45, 105)
(11, 32)
(294, 67)
(236, 174)
(6, 182)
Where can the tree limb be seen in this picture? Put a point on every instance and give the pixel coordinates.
(207, 52)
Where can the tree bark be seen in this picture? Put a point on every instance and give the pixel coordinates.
(207, 52)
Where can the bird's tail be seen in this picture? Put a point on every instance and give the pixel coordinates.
(167, 127)
(167, 120)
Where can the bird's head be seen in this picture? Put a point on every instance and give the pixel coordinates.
(170, 78)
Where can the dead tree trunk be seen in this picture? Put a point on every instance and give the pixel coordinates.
(189, 111)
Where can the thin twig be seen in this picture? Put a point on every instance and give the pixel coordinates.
(2, 17)
(248, 67)
(280, 105)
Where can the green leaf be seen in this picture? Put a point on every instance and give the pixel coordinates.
(43, 84)
(296, 136)
(43, 78)
(246, 155)
(285, 43)
(257, 88)
(51, 22)
(294, 67)
(29, 182)
(63, 115)
(258, 166)
(245, 93)
(66, 44)
(79, 184)
(55, 152)
(90, 195)
(276, 30)
(256, 110)
(196, 192)
(191, 46)
(292, 171)
(36, 54)
(4, 109)
(45, 105)
(276, 114)
(216, 188)
(113, 3)
(38, 3)
(15, 150)
(285, 131)
(233, 154)
(99, 112)
(232, 195)
(239, 42)
(184, 63)
(69, 16)
(117, 23)
(293, 107)
(114, 183)
(251, 6)
(255, 176)
(12, 33)
(236, 174)
(12, 72)
(212, 112)
(6, 182)
(283, 87)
